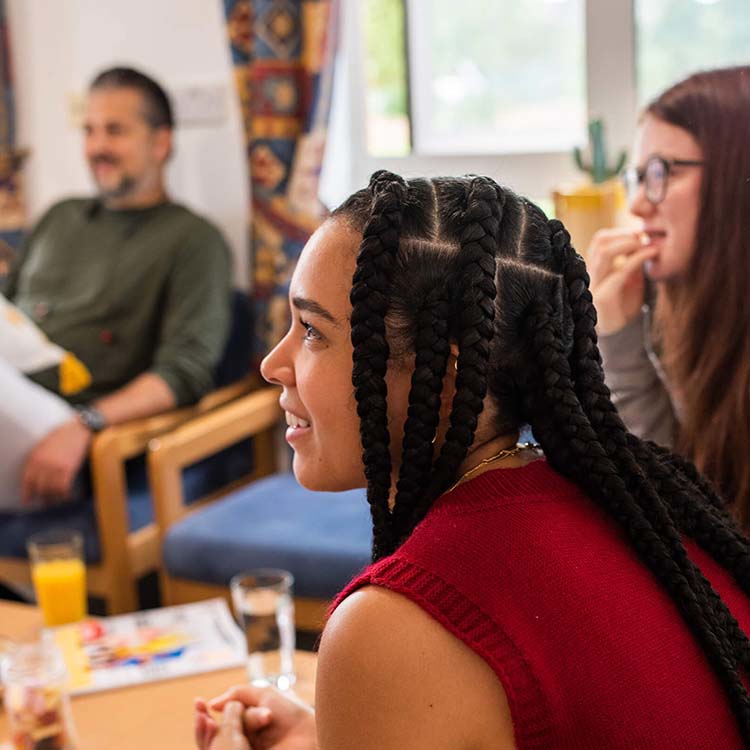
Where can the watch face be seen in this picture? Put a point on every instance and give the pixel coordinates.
(92, 418)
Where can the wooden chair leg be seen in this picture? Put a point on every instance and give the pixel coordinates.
(110, 507)
(122, 597)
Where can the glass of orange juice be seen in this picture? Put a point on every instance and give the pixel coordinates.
(59, 575)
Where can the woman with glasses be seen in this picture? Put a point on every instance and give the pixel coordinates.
(671, 297)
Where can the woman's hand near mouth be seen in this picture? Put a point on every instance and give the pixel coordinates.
(615, 261)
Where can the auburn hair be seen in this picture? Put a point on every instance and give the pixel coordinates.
(703, 317)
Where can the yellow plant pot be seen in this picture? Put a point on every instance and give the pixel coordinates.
(586, 208)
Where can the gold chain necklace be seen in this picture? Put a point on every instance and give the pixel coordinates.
(499, 456)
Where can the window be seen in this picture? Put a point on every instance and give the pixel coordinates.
(497, 77)
(679, 37)
(486, 77)
(505, 87)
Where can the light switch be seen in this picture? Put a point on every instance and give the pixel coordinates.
(200, 105)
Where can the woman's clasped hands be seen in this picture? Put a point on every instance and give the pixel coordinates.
(254, 718)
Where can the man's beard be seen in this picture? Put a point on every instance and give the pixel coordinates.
(125, 186)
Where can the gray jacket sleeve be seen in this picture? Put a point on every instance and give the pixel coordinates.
(638, 391)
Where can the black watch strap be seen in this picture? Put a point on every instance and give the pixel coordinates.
(91, 418)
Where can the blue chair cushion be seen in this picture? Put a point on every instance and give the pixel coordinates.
(322, 538)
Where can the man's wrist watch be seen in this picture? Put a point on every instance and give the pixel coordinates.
(91, 418)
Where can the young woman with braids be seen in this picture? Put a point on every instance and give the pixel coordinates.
(681, 376)
(588, 597)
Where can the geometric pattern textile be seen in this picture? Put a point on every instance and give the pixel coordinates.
(11, 198)
(283, 57)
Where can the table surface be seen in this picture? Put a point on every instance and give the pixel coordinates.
(156, 714)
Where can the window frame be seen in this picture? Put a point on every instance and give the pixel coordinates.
(611, 94)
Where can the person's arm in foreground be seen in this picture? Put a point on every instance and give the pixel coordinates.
(389, 677)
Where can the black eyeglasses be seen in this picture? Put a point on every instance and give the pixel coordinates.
(654, 175)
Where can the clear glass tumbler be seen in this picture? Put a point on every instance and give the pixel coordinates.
(264, 607)
(59, 575)
(36, 700)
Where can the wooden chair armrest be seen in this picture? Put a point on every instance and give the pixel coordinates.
(111, 448)
(109, 451)
(131, 438)
(227, 393)
(170, 453)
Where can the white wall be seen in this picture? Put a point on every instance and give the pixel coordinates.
(59, 45)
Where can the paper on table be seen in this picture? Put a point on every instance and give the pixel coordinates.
(158, 644)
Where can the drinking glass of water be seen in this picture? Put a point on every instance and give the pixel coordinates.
(264, 608)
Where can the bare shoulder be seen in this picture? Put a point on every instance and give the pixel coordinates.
(390, 676)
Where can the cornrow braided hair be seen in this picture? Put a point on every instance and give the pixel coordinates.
(463, 262)
(478, 236)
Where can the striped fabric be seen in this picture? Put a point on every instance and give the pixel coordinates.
(282, 51)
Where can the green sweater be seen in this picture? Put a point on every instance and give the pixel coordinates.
(128, 292)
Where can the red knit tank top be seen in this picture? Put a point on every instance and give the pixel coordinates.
(542, 584)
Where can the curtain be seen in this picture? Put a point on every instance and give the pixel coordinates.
(283, 53)
(11, 200)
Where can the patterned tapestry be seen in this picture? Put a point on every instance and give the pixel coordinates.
(283, 52)
(11, 199)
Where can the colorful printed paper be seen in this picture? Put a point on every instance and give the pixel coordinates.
(159, 644)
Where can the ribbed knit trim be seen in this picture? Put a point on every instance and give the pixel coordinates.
(531, 714)
(534, 480)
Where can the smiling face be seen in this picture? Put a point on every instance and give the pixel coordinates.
(125, 154)
(313, 364)
(671, 224)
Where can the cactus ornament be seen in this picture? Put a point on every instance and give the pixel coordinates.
(598, 168)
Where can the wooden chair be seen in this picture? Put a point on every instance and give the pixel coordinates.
(126, 555)
(255, 525)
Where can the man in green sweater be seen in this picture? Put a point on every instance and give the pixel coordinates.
(135, 286)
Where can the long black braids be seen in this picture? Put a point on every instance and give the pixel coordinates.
(685, 491)
(473, 305)
(463, 243)
(432, 351)
(680, 484)
(662, 496)
(574, 449)
(477, 217)
(369, 296)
